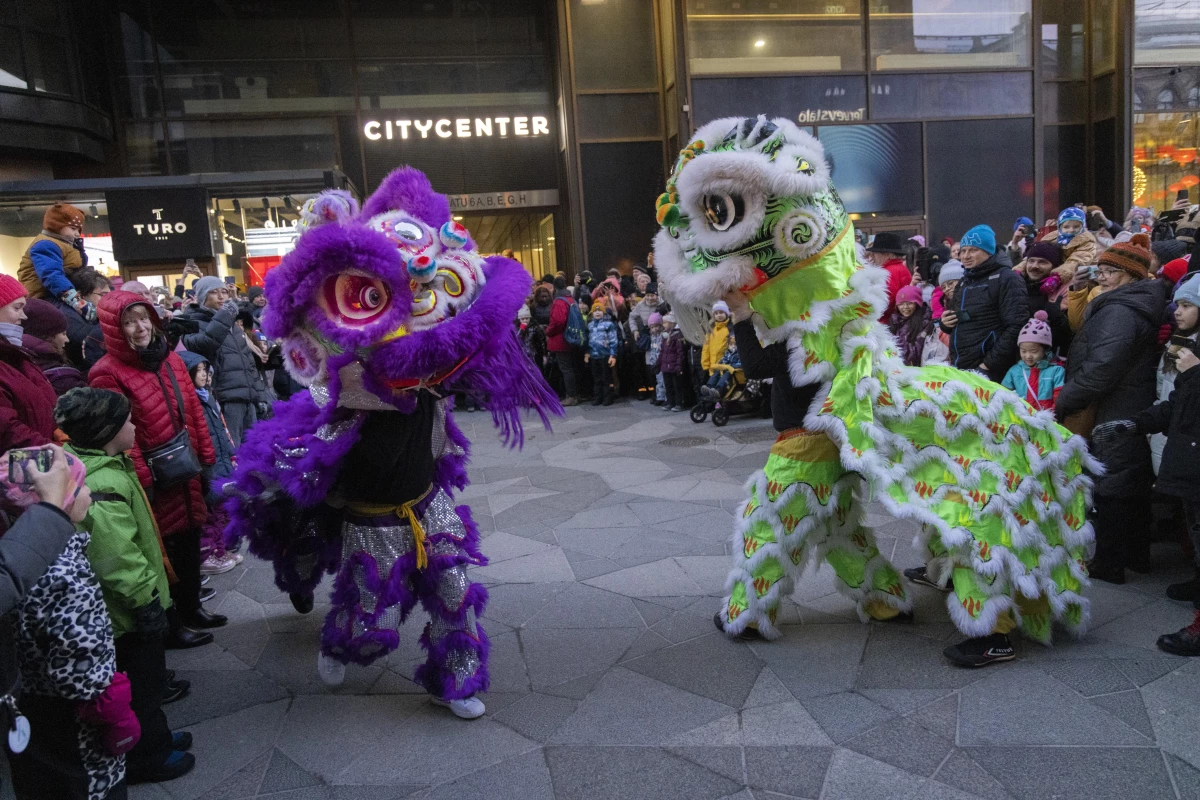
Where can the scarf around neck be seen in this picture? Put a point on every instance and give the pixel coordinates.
(12, 332)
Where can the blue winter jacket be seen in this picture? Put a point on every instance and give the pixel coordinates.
(602, 338)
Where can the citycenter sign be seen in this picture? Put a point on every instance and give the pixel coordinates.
(459, 128)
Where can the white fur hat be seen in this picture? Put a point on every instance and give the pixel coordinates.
(720, 305)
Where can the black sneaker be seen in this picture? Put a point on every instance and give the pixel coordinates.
(903, 618)
(747, 635)
(176, 690)
(301, 602)
(1103, 572)
(1188, 590)
(181, 741)
(920, 576)
(176, 765)
(1184, 642)
(981, 651)
(207, 594)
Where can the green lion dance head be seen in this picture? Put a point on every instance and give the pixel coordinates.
(750, 205)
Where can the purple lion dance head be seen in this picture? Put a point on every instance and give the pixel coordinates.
(374, 303)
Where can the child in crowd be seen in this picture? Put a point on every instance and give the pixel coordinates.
(912, 325)
(53, 253)
(532, 336)
(217, 559)
(74, 705)
(1034, 377)
(723, 371)
(126, 552)
(655, 323)
(717, 339)
(602, 353)
(670, 363)
(948, 279)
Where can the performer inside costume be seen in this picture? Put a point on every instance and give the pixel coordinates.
(750, 216)
(383, 314)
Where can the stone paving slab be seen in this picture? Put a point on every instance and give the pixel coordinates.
(608, 560)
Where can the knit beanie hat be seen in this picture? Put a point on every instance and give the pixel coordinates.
(720, 305)
(10, 290)
(1048, 251)
(980, 236)
(1022, 221)
(60, 215)
(669, 318)
(1071, 213)
(206, 285)
(23, 495)
(1169, 249)
(1175, 270)
(1036, 330)
(1132, 256)
(44, 320)
(1189, 291)
(655, 318)
(910, 294)
(952, 271)
(523, 313)
(253, 292)
(91, 417)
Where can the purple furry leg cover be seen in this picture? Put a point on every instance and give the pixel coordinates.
(457, 645)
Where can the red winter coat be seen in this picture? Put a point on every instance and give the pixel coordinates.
(898, 278)
(26, 400)
(155, 412)
(560, 312)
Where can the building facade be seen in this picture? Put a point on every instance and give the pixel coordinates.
(552, 123)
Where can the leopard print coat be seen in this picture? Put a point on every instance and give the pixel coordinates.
(65, 649)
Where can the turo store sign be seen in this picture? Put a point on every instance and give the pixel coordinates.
(458, 128)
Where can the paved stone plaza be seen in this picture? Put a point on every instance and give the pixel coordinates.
(608, 546)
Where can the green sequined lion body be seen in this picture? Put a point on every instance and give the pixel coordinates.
(1001, 491)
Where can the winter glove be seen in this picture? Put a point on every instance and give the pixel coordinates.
(81, 306)
(231, 307)
(263, 409)
(1165, 333)
(110, 713)
(1051, 285)
(1108, 432)
(78, 244)
(151, 620)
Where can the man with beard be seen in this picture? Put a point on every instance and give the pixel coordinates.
(1046, 290)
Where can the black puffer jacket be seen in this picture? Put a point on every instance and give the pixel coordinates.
(1111, 366)
(789, 404)
(1060, 326)
(1179, 419)
(235, 373)
(996, 303)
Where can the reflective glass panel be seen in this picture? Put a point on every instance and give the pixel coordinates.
(1166, 32)
(972, 94)
(1063, 39)
(256, 87)
(613, 44)
(733, 36)
(1065, 151)
(1104, 36)
(619, 116)
(951, 33)
(876, 168)
(1166, 135)
(804, 100)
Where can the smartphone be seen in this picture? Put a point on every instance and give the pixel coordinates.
(1184, 194)
(1184, 343)
(42, 460)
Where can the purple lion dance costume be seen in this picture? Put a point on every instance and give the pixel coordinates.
(383, 313)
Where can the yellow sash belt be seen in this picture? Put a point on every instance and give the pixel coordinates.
(404, 512)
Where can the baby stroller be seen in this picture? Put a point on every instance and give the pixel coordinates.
(740, 396)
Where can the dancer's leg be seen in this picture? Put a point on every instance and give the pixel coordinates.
(864, 574)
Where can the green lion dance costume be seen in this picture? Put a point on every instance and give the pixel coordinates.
(1000, 489)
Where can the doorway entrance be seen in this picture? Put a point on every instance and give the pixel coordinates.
(528, 235)
(871, 224)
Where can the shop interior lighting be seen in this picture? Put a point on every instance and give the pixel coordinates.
(760, 43)
(95, 211)
(266, 204)
(457, 217)
(237, 206)
(287, 200)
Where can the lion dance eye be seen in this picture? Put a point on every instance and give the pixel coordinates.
(356, 299)
(723, 210)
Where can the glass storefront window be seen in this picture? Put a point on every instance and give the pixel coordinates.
(877, 168)
(252, 145)
(457, 80)
(734, 37)
(1063, 53)
(12, 68)
(938, 34)
(972, 94)
(618, 116)
(613, 44)
(1104, 36)
(1166, 32)
(1166, 135)
(449, 28)
(250, 29)
(256, 87)
(804, 100)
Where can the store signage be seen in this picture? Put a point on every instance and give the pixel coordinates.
(493, 200)
(457, 128)
(159, 224)
(811, 115)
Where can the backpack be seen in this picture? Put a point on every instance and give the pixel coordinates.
(576, 332)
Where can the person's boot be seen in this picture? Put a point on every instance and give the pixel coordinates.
(1188, 590)
(1184, 642)
(570, 401)
(920, 576)
(301, 602)
(981, 651)
(204, 619)
(177, 765)
(181, 637)
(1103, 572)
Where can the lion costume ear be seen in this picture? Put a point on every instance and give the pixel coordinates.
(332, 205)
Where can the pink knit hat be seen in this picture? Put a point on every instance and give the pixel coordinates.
(655, 318)
(1036, 331)
(910, 294)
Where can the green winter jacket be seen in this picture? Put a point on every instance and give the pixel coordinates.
(125, 551)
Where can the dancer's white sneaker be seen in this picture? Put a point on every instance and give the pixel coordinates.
(332, 672)
(467, 708)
